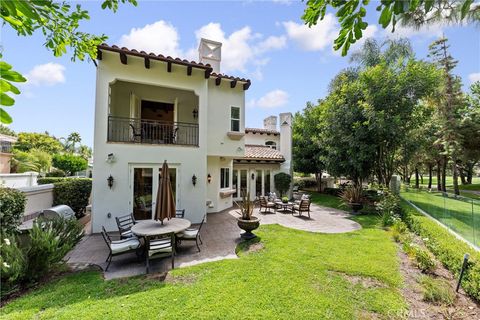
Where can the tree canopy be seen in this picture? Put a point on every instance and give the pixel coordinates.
(352, 14)
(59, 22)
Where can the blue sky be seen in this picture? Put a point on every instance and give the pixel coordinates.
(288, 63)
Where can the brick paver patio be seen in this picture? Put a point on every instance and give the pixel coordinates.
(220, 237)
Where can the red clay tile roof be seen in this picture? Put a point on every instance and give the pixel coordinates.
(261, 152)
(261, 131)
(160, 57)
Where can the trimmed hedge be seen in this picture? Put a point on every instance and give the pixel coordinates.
(446, 247)
(73, 193)
(12, 206)
(48, 180)
(305, 182)
(332, 191)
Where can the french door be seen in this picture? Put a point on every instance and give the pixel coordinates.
(144, 186)
(240, 182)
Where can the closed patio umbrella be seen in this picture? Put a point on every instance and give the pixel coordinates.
(165, 208)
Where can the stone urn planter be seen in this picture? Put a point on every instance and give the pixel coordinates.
(356, 207)
(248, 226)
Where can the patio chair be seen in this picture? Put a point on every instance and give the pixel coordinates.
(304, 206)
(180, 213)
(125, 224)
(264, 203)
(118, 247)
(160, 246)
(137, 133)
(191, 234)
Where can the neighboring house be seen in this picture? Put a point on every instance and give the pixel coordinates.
(151, 108)
(6, 143)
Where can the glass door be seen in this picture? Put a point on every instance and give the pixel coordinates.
(145, 186)
(142, 193)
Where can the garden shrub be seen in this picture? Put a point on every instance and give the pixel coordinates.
(50, 240)
(56, 173)
(398, 229)
(69, 163)
(12, 265)
(282, 182)
(48, 180)
(332, 191)
(446, 247)
(388, 208)
(437, 291)
(425, 261)
(305, 182)
(12, 206)
(73, 193)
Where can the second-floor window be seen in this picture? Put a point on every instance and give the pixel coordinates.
(235, 119)
(271, 144)
(224, 178)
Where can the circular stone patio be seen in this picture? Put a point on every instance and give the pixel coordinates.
(322, 219)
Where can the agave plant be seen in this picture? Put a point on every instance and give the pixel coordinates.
(246, 206)
(352, 194)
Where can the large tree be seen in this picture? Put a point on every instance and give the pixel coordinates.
(59, 23)
(41, 141)
(352, 15)
(449, 101)
(307, 148)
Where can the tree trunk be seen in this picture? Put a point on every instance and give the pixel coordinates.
(430, 166)
(417, 180)
(461, 173)
(456, 190)
(444, 174)
(421, 178)
(439, 176)
(318, 178)
(470, 166)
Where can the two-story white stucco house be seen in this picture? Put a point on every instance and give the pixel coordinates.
(151, 108)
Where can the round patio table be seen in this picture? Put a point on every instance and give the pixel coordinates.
(149, 228)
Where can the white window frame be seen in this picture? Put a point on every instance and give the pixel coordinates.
(271, 144)
(235, 119)
(225, 175)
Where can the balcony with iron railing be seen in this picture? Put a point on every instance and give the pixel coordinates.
(143, 131)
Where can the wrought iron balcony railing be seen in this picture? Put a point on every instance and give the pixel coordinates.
(133, 130)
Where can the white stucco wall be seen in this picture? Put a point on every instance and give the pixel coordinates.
(156, 83)
(220, 100)
(256, 138)
(190, 160)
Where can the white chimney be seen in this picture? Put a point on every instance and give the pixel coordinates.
(270, 123)
(210, 52)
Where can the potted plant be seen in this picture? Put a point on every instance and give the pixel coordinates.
(285, 199)
(353, 197)
(247, 221)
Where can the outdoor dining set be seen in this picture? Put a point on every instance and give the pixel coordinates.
(151, 238)
(157, 237)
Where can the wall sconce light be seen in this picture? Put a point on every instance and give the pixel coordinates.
(253, 176)
(209, 178)
(110, 181)
(195, 113)
(110, 158)
(194, 180)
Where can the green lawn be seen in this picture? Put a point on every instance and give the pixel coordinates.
(449, 182)
(461, 215)
(297, 274)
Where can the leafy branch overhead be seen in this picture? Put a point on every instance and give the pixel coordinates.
(351, 15)
(59, 23)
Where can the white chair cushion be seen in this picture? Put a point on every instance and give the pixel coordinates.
(296, 207)
(118, 246)
(160, 245)
(127, 233)
(189, 234)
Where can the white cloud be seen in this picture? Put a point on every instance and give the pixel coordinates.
(160, 37)
(316, 38)
(242, 48)
(474, 77)
(273, 99)
(427, 31)
(47, 74)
